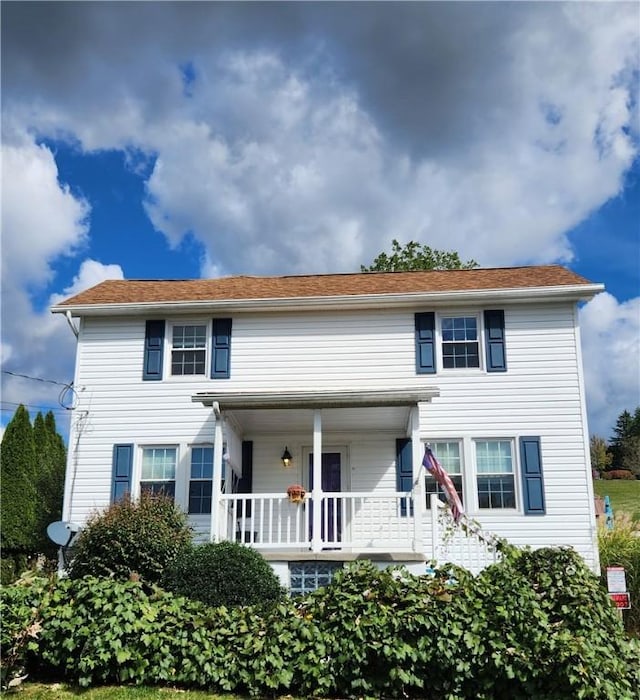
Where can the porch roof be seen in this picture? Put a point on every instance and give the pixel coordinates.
(319, 398)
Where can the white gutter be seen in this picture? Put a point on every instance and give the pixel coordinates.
(322, 398)
(572, 293)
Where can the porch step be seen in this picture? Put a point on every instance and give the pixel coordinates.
(337, 555)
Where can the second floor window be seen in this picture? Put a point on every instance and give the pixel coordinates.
(188, 349)
(460, 344)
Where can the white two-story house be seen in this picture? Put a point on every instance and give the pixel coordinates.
(223, 393)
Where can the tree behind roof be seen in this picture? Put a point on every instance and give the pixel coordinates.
(414, 256)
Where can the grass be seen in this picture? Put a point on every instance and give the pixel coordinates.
(624, 495)
(62, 691)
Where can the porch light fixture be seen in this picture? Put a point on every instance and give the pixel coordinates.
(286, 458)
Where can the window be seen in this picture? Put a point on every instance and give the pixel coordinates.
(201, 479)
(307, 576)
(495, 474)
(448, 454)
(460, 345)
(188, 349)
(159, 470)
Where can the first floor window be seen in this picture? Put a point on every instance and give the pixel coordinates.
(188, 349)
(448, 454)
(495, 474)
(159, 470)
(460, 345)
(201, 479)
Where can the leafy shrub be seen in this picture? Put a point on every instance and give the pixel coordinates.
(142, 537)
(618, 474)
(537, 625)
(621, 547)
(20, 612)
(224, 573)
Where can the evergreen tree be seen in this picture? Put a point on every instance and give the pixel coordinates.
(19, 491)
(57, 463)
(625, 444)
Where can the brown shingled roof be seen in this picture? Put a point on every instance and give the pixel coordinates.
(308, 286)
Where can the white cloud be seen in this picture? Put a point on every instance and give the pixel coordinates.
(490, 130)
(41, 221)
(91, 272)
(611, 356)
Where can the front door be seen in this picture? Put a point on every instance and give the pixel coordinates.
(331, 509)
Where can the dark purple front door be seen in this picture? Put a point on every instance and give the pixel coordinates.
(331, 511)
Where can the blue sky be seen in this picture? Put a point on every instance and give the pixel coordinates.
(169, 140)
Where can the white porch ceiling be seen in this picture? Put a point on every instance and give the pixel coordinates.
(289, 421)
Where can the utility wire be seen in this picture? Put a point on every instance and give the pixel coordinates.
(28, 405)
(35, 379)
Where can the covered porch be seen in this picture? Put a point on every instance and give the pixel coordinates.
(343, 446)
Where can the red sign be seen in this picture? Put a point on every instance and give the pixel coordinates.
(621, 600)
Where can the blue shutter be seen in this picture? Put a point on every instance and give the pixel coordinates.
(153, 350)
(221, 349)
(121, 471)
(425, 325)
(494, 341)
(532, 479)
(245, 484)
(404, 470)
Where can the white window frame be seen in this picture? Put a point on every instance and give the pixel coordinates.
(140, 480)
(517, 508)
(440, 316)
(461, 455)
(169, 349)
(191, 480)
(469, 471)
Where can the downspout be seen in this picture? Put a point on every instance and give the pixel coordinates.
(76, 332)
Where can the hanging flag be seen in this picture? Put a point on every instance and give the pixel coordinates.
(436, 470)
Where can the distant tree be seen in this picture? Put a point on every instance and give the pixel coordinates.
(625, 443)
(601, 458)
(414, 256)
(19, 493)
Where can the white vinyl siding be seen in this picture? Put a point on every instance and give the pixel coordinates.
(539, 395)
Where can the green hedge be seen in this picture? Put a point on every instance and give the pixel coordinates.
(538, 625)
(223, 573)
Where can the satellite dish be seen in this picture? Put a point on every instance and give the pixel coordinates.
(62, 532)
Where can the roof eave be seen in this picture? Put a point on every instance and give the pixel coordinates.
(321, 398)
(569, 293)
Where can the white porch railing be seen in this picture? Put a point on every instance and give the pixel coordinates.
(352, 521)
(469, 549)
(348, 520)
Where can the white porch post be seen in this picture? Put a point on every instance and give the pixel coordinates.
(418, 480)
(216, 487)
(316, 494)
